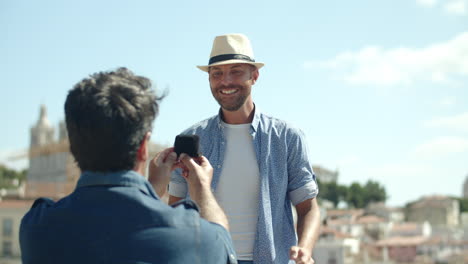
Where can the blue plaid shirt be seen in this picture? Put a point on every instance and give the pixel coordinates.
(286, 177)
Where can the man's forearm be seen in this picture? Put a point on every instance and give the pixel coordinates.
(160, 172)
(160, 186)
(163, 195)
(308, 223)
(209, 207)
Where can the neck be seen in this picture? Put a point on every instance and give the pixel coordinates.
(244, 115)
(140, 167)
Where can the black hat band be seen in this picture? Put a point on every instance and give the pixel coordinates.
(225, 57)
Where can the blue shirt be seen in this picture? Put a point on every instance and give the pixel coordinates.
(286, 177)
(118, 218)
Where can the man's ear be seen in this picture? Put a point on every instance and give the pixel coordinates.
(255, 75)
(143, 150)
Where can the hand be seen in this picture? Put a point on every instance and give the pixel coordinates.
(300, 255)
(160, 169)
(198, 173)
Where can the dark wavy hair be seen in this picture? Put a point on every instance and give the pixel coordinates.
(107, 117)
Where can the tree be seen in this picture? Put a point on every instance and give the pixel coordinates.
(373, 192)
(10, 178)
(355, 195)
(332, 191)
(463, 204)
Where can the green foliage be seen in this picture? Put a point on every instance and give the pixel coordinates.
(332, 192)
(374, 192)
(10, 178)
(356, 195)
(463, 203)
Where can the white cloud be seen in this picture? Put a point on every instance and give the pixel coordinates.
(17, 160)
(427, 3)
(440, 147)
(441, 62)
(454, 7)
(448, 101)
(458, 122)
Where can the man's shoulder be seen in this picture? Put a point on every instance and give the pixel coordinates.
(202, 126)
(269, 122)
(37, 214)
(42, 203)
(274, 121)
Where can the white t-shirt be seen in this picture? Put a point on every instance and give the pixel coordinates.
(238, 188)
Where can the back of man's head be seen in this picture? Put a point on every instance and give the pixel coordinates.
(107, 117)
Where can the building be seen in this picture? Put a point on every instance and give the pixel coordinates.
(334, 247)
(345, 221)
(465, 188)
(443, 250)
(400, 249)
(408, 229)
(355, 222)
(52, 170)
(439, 211)
(325, 175)
(11, 212)
(391, 214)
(374, 227)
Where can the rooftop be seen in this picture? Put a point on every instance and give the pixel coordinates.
(402, 241)
(12, 204)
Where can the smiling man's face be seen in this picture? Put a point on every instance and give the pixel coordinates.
(231, 84)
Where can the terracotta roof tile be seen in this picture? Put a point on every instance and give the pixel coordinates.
(402, 241)
(16, 204)
(370, 219)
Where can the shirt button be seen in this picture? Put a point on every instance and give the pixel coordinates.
(219, 166)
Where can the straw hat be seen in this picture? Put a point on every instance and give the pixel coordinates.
(229, 49)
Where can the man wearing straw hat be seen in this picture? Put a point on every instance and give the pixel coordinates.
(261, 164)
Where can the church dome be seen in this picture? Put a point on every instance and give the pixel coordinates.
(43, 132)
(43, 121)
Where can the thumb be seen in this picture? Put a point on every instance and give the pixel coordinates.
(293, 252)
(188, 161)
(203, 161)
(171, 158)
(161, 157)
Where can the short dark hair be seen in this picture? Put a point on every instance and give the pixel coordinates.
(107, 117)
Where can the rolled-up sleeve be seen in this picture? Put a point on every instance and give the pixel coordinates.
(302, 184)
(178, 186)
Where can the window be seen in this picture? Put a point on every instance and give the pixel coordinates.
(7, 227)
(7, 249)
(332, 258)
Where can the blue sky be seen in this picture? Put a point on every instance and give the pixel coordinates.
(378, 87)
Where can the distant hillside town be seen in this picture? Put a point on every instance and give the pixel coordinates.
(430, 230)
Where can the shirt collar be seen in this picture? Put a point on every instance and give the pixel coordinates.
(121, 178)
(253, 125)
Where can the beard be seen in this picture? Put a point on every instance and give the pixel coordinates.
(233, 103)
